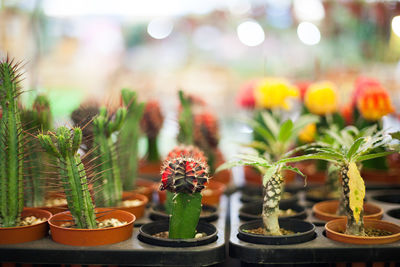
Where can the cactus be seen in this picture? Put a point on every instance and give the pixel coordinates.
(11, 147)
(35, 119)
(185, 176)
(128, 137)
(151, 124)
(63, 146)
(105, 157)
(185, 120)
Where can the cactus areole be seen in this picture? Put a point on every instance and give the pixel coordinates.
(184, 176)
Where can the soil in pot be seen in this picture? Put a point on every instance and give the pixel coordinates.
(32, 231)
(335, 230)
(297, 231)
(133, 203)
(326, 210)
(392, 197)
(155, 234)
(92, 237)
(208, 213)
(252, 211)
(212, 193)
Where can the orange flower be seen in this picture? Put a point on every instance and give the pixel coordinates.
(374, 103)
(321, 98)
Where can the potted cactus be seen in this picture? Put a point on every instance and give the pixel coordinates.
(104, 159)
(82, 225)
(16, 223)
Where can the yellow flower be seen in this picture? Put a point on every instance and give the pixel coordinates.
(321, 98)
(273, 93)
(307, 135)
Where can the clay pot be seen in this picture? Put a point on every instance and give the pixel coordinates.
(145, 187)
(139, 210)
(335, 228)
(149, 169)
(222, 176)
(326, 210)
(21, 234)
(313, 175)
(252, 176)
(391, 176)
(92, 237)
(212, 193)
(55, 209)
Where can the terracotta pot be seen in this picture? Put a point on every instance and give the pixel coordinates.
(313, 175)
(326, 211)
(138, 211)
(222, 176)
(146, 188)
(335, 227)
(151, 169)
(212, 193)
(21, 234)
(92, 237)
(54, 209)
(252, 176)
(391, 176)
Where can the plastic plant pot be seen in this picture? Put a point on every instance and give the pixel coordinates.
(318, 194)
(149, 169)
(395, 213)
(335, 231)
(391, 176)
(209, 213)
(252, 211)
(137, 210)
(304, 232)
(21, 234)
(92, 237)
(147, 231)
(146, 188)
(254, 194)
(392, 197)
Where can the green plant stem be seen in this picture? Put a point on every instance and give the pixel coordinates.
(152, 150)
(272, 194)
(185, 215)
(169, 202)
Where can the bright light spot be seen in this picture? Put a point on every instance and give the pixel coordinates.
(308, 33)
(396, 25)
(160, 28)
(239, 7)
(309, 10)
(250, 33)
(206, 37)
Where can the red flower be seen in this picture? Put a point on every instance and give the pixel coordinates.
(302, 86)
(245, 96)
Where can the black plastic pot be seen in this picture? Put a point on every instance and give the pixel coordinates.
(313, 198)
(147, 231)
(304, 231)
(157, 213)
(252, 211)
(254, 194)
(392, 197)
(395, 213)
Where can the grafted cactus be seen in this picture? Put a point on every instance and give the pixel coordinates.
(105, 157)
(11, 147)
(64, 145)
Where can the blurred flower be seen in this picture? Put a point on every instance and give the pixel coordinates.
(362, 83)
(321, 98)
(307, 135)
(274, 93)
(347, 113)
(302, 87)
(245, 96)
(374, 103)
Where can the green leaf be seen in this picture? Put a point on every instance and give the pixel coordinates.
(395, 135)
(322, 156)
(303, 121)
(271, 123)
(373, 156)
(285, 131)
(354, 147)
(268, 174)
(260, 129)
(257, 145)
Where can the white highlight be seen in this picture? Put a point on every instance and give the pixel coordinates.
(160, 28)
(250, 33)
(309, 10)
(308, 33)
(396, 25)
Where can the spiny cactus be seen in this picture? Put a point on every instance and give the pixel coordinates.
(11, 147)
(38, 118)
(105, 157)
(83, 118)
(186, 151)
(63, 146)
(185, 177)
(128, 139)
(151, 124)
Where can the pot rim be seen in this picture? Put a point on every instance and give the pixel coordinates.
(27, 209)
(316, 210)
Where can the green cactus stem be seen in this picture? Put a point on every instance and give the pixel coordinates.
(105, 156)
(63, 146)
(11, 147)
(185, 120)
(128, 139)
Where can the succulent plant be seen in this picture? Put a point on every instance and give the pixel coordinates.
(151, 125)
(63, 147)
(11, 145)
(83, 118)
(185, 120)
(105, 157)
(128, 137)
(185, 176)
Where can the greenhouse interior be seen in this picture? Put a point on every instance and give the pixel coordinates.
(199, 133)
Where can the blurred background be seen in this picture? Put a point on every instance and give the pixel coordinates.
(78, 51)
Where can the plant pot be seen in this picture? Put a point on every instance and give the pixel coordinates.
(326, 210)
(304, 231)
(318, 194)
(314, 176)
(145, 187)
(54, 209)
(390, 197)
(335, 228)
(212, 193)
(149, 169)
(92, 237)
(139, 210)
(254, 194)
(391, 176)
(222, 176)
(253, 177)
(208, 214)
(21, 234)
(252, 211)
(147, 231)
(395, 213)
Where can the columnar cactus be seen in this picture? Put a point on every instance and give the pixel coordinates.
(11, 147)
(104, 153)
(128, 139)
(185, 177)
(63, 146)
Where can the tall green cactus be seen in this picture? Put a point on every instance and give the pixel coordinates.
(128, 139)
(185, 119)
(105, 157)
(11, 148)
(35, 119)
(64, 145)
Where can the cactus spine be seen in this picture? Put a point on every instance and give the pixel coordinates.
(72, 173)
(106, 158)
(128, 139)
(11, 148)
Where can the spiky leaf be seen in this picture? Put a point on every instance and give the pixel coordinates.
(357, 190)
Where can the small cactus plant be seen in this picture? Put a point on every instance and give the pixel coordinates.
(105, 158)
(63, 146)
(185, 175)
(11, 146)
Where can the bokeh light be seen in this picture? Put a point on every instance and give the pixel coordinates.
(250, 33)
(308, 33)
